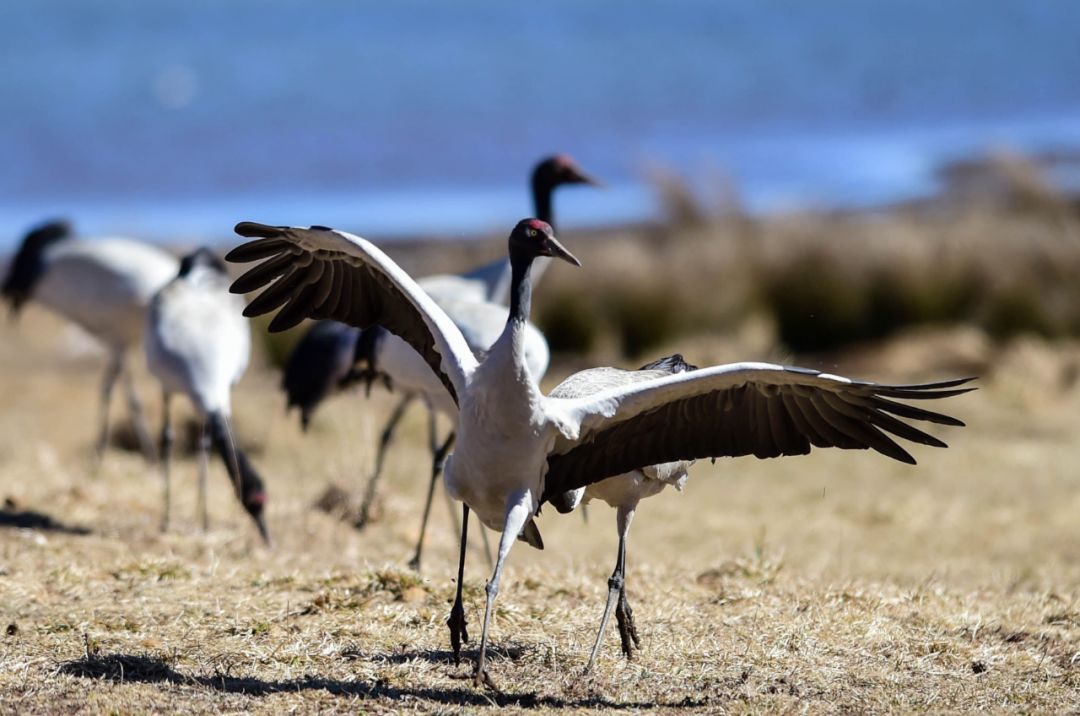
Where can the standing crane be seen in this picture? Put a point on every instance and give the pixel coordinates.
(104, 286)
(623, 492)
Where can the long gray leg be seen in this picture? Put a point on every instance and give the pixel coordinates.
(204, 471)
(166, 456)
(138, 416)
(456, 622)
(436, 470)
(112, 372)
(624, 615)
(519, 509)
(384, 443)
(616, 583)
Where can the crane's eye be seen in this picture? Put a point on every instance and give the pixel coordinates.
(531, 233)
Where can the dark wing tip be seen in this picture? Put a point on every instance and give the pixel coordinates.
(284, 320)
(939, 385)
(925, 391)
(249, 312)
(252, 229)
(236, 255)
(946, 383)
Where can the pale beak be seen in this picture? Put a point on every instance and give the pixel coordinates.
(579, 177)
(558, 251)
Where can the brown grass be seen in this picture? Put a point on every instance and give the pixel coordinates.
(836, 582)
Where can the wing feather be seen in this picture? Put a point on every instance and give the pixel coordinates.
(322, 273)
(802, 425)
(831, 436)
(264, 273)
(906, 411)
(761, 424)
(863, 433)
(260, 249)
(274, 297)
(882, 420)
(756, 409)
(784, 432)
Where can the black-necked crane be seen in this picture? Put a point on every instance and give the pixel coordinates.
(518, 448)
(475, 301)
(622, 492)
(491, 282)
(102, 285)
(198, 344)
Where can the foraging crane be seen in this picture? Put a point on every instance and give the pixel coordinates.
(198, 344)
(105, 287)
(518, 448)
(320, 364)
(623, 492)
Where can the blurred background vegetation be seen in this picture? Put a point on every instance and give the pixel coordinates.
(998, 249)
(792, 181)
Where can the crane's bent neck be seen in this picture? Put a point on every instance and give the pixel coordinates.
(542, 192)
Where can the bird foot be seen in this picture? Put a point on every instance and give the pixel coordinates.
(624, 615)
(458, 630)
(369, 512)
(481, 677)
(414, 564)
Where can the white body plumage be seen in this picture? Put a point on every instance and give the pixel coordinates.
(105, 286)
(481, 324)
(503, 433)
(197, 341)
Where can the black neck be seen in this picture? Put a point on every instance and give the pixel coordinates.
(542, 192)
(520, 286)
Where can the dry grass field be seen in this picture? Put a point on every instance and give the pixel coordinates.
(835, 582)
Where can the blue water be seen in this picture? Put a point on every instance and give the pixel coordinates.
(176, 118)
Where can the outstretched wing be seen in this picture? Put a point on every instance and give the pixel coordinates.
(323, 273)
(756, 409)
